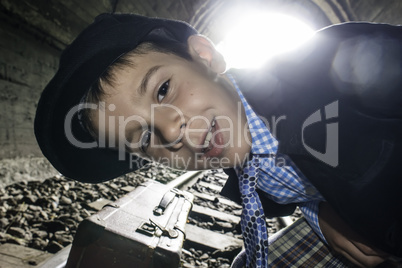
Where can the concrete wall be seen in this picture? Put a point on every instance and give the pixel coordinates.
(32, 35)
(27, 63)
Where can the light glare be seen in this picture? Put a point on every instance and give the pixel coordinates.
(259, 36)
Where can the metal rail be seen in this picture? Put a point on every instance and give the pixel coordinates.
(184, 180)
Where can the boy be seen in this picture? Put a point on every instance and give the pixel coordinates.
(132, 89)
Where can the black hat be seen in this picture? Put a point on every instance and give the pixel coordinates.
(81, 64)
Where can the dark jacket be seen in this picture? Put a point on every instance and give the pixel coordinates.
(337, 102)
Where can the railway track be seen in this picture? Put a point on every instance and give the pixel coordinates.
(213, 235)
(213, 232)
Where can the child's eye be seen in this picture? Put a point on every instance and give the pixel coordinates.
(145, 140)
(163, 90)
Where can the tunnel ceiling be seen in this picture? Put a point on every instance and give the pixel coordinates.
(57, 22)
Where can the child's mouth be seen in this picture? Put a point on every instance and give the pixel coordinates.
(209, 135)
(212, 146)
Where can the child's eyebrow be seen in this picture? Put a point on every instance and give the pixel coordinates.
(145, 80)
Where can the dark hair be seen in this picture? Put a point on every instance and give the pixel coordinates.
(108, 78)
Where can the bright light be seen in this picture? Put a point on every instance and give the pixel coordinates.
(259, 36)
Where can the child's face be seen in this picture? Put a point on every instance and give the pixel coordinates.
(166, 108)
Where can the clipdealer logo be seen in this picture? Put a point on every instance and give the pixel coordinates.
(331, 154)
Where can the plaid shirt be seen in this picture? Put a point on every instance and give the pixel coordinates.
(279, 177)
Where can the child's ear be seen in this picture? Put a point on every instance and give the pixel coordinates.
(202, 49)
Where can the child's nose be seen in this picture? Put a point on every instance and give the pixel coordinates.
(170, 123)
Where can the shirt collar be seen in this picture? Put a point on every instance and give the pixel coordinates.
(263, 142)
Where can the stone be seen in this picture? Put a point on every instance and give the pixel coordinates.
(73, 195)
(99, 204)
(4, 222)
(224, 225)
(15, 240)
(39, 243)
(30, 199)
(77, 218)
(63, 237)
(16, 231)
(204, 257)
(65, 200)
(39, 233)
(34, 208)
(54, 247)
